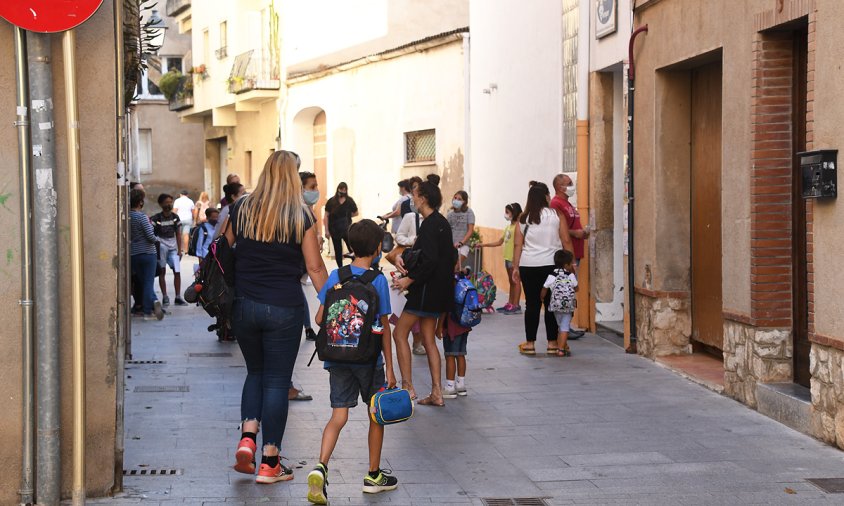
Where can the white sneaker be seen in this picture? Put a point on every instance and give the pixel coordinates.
(461, 391)
(419, 350)
(449, 393)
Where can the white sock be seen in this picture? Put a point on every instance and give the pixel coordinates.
(449, 385)
(461, 381)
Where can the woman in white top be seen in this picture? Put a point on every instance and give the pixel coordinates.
(540, 234)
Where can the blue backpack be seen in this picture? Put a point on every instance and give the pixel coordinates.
(467, 307)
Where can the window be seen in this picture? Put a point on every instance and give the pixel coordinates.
(222, 51)
(206, 47)
(145, 150)
(156, 67)
(420, 146)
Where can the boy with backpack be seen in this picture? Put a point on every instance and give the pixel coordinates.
(355, 331)
(202, 235)
(563, 285)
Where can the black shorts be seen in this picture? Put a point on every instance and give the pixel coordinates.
(347, 382)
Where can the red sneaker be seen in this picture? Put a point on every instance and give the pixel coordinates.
(267, 474)
(245, 456)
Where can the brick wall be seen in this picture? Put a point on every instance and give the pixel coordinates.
(771, 184)
(810, 143)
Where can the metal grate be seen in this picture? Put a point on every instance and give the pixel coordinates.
(211, 355)
(146, 362)
(514, 501)
(828, 485)
(420, 146)
(142, 471)
(165, 388)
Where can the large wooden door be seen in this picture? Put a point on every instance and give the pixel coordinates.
(707, 324)
(800, 293)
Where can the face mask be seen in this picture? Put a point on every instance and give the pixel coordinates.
(458, 204)
(508, 218)
(376, 260)
(311, 197)
(213, 222)
(413, 206)
(341, 194)
(570, 191)
(167, 208)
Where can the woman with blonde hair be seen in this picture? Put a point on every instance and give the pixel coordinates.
(202, 204)
(275, 234)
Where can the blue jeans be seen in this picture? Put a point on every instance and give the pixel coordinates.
(269, 340)
(144, 266)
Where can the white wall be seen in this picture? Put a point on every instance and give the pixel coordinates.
(368, 109)
(516, 132)
(329, 32)
(610, 49)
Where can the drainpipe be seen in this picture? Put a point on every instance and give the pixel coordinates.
(48, 480)
(631, 274)
(124, 261)
(467, 120)
(26, 491)
(77, 268)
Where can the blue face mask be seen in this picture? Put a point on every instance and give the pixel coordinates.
(376, 260)
(311, 197)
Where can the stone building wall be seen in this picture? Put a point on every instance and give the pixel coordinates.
(754, 355)
(827, 366)
(664, 324)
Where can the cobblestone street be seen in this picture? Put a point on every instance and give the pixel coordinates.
(602, 427)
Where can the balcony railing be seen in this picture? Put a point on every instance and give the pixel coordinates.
(183, 97)
(251, 72)
(175, 7)
(221, 53)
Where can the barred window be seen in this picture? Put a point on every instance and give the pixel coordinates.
(420, 146)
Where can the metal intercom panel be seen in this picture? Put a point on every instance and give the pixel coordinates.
(819, 172)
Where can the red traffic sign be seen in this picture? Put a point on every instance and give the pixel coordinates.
(48, 15)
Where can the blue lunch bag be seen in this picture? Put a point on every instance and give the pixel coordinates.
(389, 406)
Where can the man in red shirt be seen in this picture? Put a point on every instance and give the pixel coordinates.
(563, 190)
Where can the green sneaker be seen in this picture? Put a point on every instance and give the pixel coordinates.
(318, 485)
(381, 483)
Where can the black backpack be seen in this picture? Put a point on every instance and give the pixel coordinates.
(349, 312)
(193, 238)
(213, 287)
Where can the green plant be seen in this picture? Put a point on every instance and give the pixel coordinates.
(169, 83)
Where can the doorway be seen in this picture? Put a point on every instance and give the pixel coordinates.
(707, 319)
(799, 285)
(321, 161)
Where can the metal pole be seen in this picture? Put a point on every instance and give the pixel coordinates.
(123, 268)
(77, 270)
(631, 274)
(48, 476)
(27, 328)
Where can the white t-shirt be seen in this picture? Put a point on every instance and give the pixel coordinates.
(406, 234)
(542, 240)
(183, 206)
(394, 226)
(551, 279)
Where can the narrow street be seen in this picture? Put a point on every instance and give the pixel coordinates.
(602, 427)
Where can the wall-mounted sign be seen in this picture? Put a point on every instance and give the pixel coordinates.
(48, 16)
(605, 19)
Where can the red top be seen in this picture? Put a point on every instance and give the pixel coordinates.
(564, 207)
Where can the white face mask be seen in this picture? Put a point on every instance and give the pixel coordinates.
(508, 218)
(458, 204)
(570, 191)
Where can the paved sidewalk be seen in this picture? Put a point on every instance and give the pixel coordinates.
(601, 427)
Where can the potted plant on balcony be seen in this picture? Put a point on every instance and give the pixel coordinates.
(169, 83)
(200, 71)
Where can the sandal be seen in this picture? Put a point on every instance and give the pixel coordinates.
(525, 350)
(429, 401)
(564, 352)
(552, 351)
(300, 396)
(406, 385)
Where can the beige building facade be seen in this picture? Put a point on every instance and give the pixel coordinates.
(731, 260)
(98, 146)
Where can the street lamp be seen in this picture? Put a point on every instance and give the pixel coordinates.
(153, 32)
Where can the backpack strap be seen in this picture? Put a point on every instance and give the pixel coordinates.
(345, 273)
(417, 222)
(369, 276)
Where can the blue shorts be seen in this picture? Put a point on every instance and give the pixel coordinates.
(564, 321)
(454, 347)
(347, 382)
(169, 257)
(422, 314)
(184, 227)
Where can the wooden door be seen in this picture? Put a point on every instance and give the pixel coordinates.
(799, 285)
(707, 324)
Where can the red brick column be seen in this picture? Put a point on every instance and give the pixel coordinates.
(771, 158)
